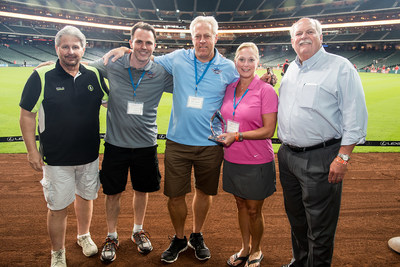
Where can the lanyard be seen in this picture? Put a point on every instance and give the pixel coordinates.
(195, 72)
(133, 84)
(240, 99)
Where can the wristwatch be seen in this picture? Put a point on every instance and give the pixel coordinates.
(344, 157)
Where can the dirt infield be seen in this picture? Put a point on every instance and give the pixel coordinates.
(370, 215)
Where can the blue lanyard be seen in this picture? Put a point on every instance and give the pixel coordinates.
(240, 99)
(133, 84)
(195, 72)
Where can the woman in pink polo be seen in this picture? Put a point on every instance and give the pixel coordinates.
(250, 110)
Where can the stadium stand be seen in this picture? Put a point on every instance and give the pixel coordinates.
(361, 44)
(392, 60)
(345, 37)
(12, 56)
(23, 30)
(392, 36)
(372, 35)
(374, 5)
(309, 11)
(366, 58)
(5, 29)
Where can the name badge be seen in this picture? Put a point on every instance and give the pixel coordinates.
(233, 126)
(195, 102)
(135, 108)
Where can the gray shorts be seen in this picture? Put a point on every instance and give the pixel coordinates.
(249, 181)
(62, 183)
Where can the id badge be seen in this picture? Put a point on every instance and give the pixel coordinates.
(135, 108)
(195, 102)
(233, 126)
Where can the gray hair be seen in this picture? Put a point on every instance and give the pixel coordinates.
(73, 31)
(248, 45)
(207, 19)
(314, 22)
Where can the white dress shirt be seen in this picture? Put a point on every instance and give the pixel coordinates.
(321, 99)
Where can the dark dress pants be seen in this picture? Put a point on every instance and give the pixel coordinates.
(312, 204)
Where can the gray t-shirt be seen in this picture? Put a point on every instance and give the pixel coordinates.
(130, 130)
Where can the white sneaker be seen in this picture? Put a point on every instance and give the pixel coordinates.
(394, 243)
(58, 258)
(89, 248)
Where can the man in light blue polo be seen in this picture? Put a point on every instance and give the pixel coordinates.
(200, 78)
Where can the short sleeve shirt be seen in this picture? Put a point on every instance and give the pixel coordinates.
(68, 110)
(130, 130)
(260, 99)
(191, 126)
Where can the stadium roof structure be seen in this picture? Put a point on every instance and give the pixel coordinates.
(106, 24)
(223, 10)
(247, 15)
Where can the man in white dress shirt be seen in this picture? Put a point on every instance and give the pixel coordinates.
(322, 116)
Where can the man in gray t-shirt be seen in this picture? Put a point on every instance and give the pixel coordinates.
(136, 86)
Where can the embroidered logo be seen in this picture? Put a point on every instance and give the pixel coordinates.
(150, 74)
(90, 87)
(216, 70)
(60, 88)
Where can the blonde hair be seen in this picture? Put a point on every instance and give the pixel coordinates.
(207, 19)
(250, 45)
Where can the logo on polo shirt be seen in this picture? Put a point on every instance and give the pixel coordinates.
(90, 87)
(216, 70)
(60, 88)
(150, 74)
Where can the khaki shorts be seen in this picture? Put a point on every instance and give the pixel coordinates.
(62, 183)
(179, 160)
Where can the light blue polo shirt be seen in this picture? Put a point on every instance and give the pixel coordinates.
(187, 125)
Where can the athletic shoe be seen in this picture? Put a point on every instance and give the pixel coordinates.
(142, 241)
(89, 248)
(177, 246)
(394, 243)
(58, 258)
(110, 247)
(201, 251)
(287, 265)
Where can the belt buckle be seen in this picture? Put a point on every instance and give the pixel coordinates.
(296, 149)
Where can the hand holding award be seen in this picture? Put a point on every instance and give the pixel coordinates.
(217, 126)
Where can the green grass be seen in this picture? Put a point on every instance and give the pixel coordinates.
(382, 93)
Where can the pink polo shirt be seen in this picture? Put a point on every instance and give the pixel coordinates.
(261, 98)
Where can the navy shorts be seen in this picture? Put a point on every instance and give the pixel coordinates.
(143, 166)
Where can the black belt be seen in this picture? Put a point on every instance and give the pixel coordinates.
(309, 148)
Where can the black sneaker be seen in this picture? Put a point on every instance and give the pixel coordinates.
(177, 246)
(196, 242)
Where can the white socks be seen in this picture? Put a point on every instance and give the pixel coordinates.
(137, 228)
(113, 235)
(80, 236)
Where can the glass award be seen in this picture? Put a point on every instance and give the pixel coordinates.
(217, 126)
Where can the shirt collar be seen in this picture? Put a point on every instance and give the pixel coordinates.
(82, 68)
(216, 59)
(312, 60)
(126, 63)
(253, 83)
